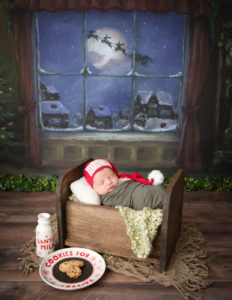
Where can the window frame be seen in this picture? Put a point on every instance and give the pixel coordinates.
(103, 134)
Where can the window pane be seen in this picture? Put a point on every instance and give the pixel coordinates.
(108, 103)
(61, 101)
(60, 41)
(156, 104)
(109, 45)
(109, 96)
(161, 38)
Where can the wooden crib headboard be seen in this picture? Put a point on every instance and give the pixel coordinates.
(172, 210)
(63, 191)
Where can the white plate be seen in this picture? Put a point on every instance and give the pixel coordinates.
(94, 268)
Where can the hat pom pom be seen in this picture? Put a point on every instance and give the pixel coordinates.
(157, 176)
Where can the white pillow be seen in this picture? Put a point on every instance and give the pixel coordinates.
(84, 192)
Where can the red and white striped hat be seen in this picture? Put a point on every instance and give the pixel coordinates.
(155, 177)
(95, 166)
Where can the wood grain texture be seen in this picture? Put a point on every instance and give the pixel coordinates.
(99, 228)
(172, 217)
(197, 206)
(62, 193)
(103, 229)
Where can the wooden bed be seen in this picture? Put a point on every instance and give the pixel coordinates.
(102, 229)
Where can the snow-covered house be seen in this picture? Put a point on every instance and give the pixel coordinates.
(54, 114)
(146, 102)
(100, 116)
(154, 105)
(165, 105)
(48, 92)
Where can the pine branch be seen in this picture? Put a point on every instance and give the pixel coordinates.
(10, 137)
(6, 116)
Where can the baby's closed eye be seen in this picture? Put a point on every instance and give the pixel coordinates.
(100, 182)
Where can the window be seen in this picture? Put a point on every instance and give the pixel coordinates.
(109, 71)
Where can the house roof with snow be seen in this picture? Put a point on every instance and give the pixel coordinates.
(51, 89)
(145, 96)
(164, 98)
(54, 107)
(102, 111)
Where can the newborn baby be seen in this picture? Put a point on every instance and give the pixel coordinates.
(105, 181)
(130, 190)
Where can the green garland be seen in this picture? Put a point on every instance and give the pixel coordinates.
(6, 4)
(22, 183)
(208, 183)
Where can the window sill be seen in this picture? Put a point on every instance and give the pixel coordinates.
(112, 136)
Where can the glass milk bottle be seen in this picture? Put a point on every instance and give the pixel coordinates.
(44, 235)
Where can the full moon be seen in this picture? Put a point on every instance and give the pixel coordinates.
(101, 55)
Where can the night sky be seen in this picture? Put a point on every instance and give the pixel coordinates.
(61, 52)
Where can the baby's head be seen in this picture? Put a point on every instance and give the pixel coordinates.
(102, 176)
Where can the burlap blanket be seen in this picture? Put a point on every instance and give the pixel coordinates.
(187, 270)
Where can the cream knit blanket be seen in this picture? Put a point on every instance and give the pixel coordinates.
(142, 226)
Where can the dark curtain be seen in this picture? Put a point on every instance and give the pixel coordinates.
(193, 7)
(24, 65)
(188, 153)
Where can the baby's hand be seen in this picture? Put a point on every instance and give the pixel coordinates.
(123, 179)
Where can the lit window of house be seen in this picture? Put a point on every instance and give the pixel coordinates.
(109, 71)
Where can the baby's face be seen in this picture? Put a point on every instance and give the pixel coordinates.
(105, 181)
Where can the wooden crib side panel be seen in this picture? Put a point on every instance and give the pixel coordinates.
(99, 228)
(172, 217)
(95, 227)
